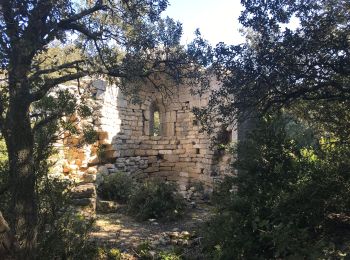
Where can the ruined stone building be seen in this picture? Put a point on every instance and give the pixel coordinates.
(157, 136)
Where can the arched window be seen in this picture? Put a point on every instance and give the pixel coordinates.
(155, 121)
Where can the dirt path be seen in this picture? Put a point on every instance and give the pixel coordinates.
(117, 230)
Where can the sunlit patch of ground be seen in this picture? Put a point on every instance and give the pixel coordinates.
(118, 230)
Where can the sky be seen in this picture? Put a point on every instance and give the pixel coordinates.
(216, 19)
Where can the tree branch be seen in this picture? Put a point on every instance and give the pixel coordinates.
(11, 25)
(82, 29)
(98, 7)
(69, 65)
(46, 120)
(71, 22)
(50, 83)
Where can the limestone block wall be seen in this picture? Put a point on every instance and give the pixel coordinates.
(128, 143)
(179, 153)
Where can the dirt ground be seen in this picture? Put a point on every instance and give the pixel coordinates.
(118, 230)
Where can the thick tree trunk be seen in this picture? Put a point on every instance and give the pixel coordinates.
(20, 143)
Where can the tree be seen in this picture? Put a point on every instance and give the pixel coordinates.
(281, 202)
(123, 40)
(278, 66)
(289, 200)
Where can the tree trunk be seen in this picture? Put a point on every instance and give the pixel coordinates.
(20, 142)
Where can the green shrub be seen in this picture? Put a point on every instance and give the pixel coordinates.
(109, 253)
(280, 204)
(67, 238)
(168, 256)
(3, 150)
(156, 199)
(117, 187)
(197, 185)
(63, 233)
(144, 251)
(102, 153)
(90, 135)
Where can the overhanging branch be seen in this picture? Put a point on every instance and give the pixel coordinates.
(71, 23)
(47, 120)
(69, 65)
(50, 83)
(98, 7)
(82, 29)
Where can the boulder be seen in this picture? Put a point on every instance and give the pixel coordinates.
(105, 206)
(88, 178)
(103, 170)
(91, 170)
(84, 202)
(84, 191)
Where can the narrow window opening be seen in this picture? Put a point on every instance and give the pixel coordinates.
(143, 122)
(197, 151)
(154, 122)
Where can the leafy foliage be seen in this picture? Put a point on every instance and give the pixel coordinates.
(290, 198)
(67, 239)
(156, 199)
(63, 233)
(278, 66)
(47, 43)
(145, 252)
(168, 256)
(110, 254)
(101, 153)
(117, 187)
(3, 151)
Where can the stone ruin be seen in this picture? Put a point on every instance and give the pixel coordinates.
(156, 137)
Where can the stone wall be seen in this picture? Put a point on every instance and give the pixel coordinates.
(127, 142)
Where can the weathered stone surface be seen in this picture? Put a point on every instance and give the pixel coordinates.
(91, 170)
(84, 191)
(109, 166)
(88, 178)
(105, 206)
(126, 141)
(103, 170)
(84, 202)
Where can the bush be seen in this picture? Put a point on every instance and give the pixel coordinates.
(109, 253)
(117, 187)
(63, 233)
(281, 203)
(156, 199)
(67, 238)
(169, 256)
(144, 251)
